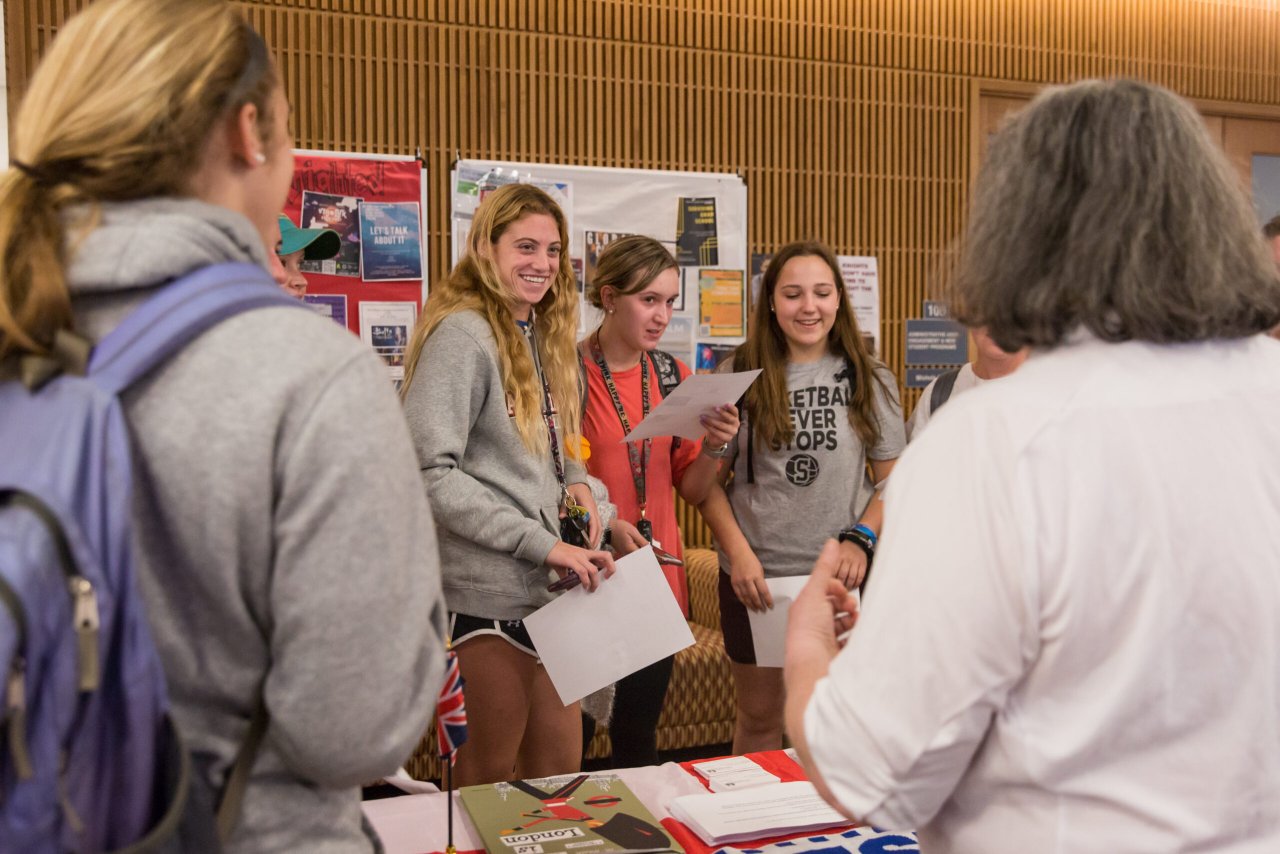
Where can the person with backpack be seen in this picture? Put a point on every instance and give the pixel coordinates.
(990, 363)
(491, 395)
(636, 283)
(822, 427)
(175, 425)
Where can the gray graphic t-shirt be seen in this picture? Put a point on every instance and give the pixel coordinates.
(809, 489)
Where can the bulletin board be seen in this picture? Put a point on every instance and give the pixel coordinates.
(377, 204)
(700, 216)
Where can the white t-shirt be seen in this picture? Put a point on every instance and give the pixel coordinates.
(965, 380)
(1071, 641)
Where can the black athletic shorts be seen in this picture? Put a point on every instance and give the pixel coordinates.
(735, 624)
(463, 627)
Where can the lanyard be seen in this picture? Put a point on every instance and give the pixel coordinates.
(639, 457)
(549, 415)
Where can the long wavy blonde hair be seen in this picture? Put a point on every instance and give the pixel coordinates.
(120, 108)
(475, 284)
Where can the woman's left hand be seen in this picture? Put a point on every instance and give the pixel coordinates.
(852, 565)
(721, 424)
(581, 493)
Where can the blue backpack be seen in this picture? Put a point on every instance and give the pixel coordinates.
(90, 760)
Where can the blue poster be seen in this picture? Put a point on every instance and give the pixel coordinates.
(936, 342)
(390, 242)
(332, 306)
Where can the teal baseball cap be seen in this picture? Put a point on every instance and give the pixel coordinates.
(320, 244)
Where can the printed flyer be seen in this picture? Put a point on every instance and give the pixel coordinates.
(342, 214)
(696, 242)
(564, 815)
(390, 242)
(386, 326)
(721, 307)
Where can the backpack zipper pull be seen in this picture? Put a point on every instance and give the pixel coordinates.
(85, 604)
(16, 704)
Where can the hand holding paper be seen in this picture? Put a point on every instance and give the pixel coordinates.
(631, 621)
(679, 414)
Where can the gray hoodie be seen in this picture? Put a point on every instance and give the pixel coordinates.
(283, 541)
(497, 505)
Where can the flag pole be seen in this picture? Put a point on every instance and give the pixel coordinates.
(448, 793)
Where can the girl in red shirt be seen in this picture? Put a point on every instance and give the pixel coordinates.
(636, 284)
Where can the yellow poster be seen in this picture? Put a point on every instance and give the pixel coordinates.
(722, 307)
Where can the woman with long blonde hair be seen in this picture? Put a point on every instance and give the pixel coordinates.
(491, 394)
(268, 456)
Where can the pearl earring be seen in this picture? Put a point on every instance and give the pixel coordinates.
(259, 158)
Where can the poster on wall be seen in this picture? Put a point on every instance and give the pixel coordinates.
(861, 276)
(711, 354)
(335, 190)
(677, 339)
(593, 242)
(386, 327)
(332, 306)
(697, 244)
(340, 214)
(390, 242)
(722, 311)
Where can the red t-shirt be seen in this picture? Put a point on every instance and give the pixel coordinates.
(610, 461)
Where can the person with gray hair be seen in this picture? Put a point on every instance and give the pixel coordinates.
(1271, 231)
(1072, 641)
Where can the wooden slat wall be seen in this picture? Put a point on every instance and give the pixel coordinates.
(849, 119)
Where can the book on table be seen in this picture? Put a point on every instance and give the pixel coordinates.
(572, 814)
(755, 813)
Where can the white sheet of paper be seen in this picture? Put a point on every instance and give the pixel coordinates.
(678, 414)
(769, 629)
(589, 640)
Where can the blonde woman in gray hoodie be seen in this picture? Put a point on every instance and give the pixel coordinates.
(492, 397)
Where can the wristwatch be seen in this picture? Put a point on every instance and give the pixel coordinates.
(716, 452)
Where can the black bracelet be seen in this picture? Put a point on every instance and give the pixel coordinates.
(859, 539)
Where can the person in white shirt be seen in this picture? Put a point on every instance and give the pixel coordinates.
(1072, 638)
(990, 363)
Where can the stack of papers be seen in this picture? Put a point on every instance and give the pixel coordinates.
(755, 813)
(736, 772)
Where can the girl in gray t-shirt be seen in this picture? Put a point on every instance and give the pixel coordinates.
(823, 412)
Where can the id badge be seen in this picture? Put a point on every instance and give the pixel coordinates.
(645, 527)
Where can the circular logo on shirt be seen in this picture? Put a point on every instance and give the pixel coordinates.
(802, 469)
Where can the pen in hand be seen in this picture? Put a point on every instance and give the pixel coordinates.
(568, 582)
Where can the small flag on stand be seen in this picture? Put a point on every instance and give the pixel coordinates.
(451, 727)
(451, 711)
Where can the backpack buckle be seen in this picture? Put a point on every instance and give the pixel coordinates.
(69, 355)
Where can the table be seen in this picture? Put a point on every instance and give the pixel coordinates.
(414, 824)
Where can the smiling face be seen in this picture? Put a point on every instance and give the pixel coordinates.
(526, 258)
(639, 319)
(805, 301)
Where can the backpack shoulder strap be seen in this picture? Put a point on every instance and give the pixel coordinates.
(942, 390)
(176, 315)
(664, 365)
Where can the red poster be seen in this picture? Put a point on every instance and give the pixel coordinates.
(327, 191)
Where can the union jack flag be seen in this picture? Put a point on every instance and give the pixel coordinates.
(451, 711)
